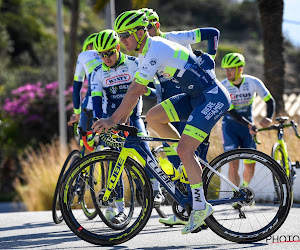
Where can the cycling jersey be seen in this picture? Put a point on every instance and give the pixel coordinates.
(109, 86)
(86, 62)
(242, 97)
(235, 134)
(186, 38)
(204, 100)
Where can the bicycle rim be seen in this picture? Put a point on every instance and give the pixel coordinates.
(252, 221)
(96, 231)
(56, 212)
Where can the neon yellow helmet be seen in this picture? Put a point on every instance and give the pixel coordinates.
(90, 39)
(232, 60)
(106, 40)
(151, 15)
(129, 20)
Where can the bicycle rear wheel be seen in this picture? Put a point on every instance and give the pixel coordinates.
(97, 231)
(277, 154)
(257, 217)
(56, 213)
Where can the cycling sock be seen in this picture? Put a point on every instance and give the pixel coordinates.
(155, 185)
(198, 196)
(245, 184)
(120, 205)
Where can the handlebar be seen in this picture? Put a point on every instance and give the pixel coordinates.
(111, 137)
(279, 127)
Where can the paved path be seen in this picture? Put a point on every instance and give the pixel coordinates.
(35, 230)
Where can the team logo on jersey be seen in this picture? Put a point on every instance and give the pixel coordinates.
(153, 61)
(166, 75)
(242, 96)
(113, 89)
(215, 90)
(118, 79)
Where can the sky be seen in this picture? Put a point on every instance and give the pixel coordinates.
(291, 21)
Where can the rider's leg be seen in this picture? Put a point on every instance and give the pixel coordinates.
(233, 172)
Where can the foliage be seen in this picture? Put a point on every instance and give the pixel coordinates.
(31, 111)
(41, 169)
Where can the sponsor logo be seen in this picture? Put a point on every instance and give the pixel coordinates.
(153, 61)
(190, 118)
(215, 90)
(118, 79)
(236, 96)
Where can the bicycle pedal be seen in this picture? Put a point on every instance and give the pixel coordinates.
(297, 164)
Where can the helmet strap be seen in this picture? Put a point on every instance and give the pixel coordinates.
(139, 41)
(237, 74)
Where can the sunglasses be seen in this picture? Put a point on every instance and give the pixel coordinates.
(151, 24)
(126, 34)
(107, 53)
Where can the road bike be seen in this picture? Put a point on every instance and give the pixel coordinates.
(280, 153)
(250, 223)
(80, 188)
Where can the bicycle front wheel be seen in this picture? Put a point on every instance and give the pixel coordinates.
(56, 213)
(97, 231)
(257, 217)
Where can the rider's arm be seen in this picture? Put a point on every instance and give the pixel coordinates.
(76, 96)
(97, 94)
(129, 101)
(212, 36)
(271, 104)
(240, 119)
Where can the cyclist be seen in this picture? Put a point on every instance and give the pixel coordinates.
(109, 83)
(167, 88)
(203, 101)
(87, 60)
(237, 124)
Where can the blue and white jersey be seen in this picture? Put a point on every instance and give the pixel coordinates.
(242, 97)
(87, 61)
(176, 63)
(186, 38)
(111, 84)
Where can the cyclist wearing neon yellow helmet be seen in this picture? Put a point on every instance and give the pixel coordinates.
(109, 84)
(167, 88)
(203, 101)
(238, 125)
(87, 60)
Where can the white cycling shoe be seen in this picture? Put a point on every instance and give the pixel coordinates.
(197, 218)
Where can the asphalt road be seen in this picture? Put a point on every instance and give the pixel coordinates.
(35, 230)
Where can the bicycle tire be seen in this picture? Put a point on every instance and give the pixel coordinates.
(248, 223)
(56, 215)
(277, 154)
(101, 212)
(96, 231)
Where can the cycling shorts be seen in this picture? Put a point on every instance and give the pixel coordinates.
(236, 135)
(201, 113)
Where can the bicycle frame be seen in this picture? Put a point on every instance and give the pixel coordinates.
(150, 163)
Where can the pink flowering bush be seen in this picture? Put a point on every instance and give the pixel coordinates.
(33, 110)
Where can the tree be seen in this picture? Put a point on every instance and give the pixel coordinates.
(271, 13)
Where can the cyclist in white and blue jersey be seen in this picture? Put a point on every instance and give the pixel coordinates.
(87, 61)
(167, 88)
(109, 83)
(238, 125)
(203, 101)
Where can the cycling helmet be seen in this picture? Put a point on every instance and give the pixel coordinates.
(231, 60)
(129, 20)
(90, 39)
(106, 40)
(150, 14)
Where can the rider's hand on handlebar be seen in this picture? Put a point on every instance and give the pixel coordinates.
(265, 122)
(74, 118)
(252, 129)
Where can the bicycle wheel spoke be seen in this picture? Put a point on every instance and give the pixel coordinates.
(255, 215)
